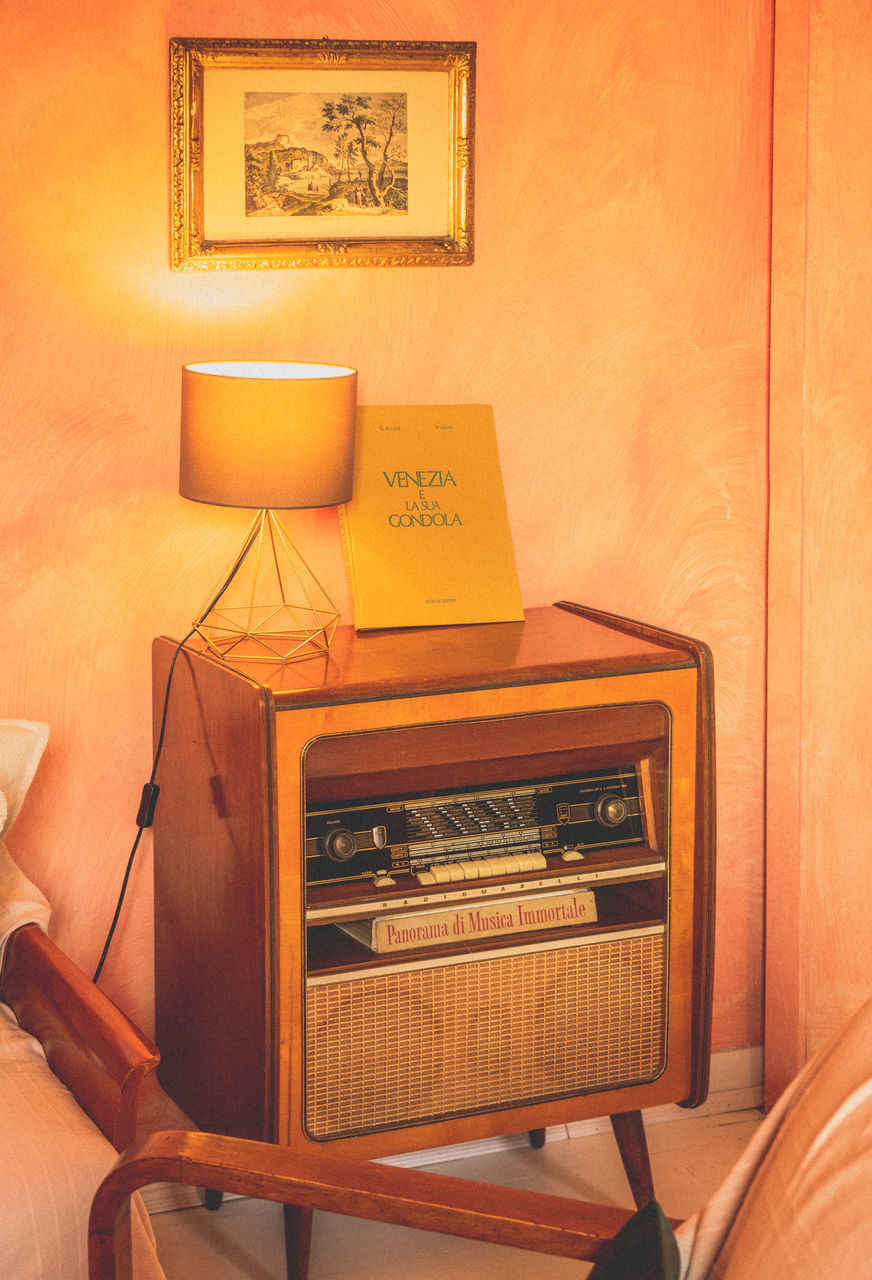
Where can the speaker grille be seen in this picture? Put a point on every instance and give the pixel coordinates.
(387, 1048)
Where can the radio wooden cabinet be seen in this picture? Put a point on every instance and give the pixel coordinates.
(518, 820)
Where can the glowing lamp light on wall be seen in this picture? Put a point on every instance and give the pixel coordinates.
(267, 435)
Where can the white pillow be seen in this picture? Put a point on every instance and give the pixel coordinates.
(22, 743)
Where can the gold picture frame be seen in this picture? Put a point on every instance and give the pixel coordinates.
(321, 153)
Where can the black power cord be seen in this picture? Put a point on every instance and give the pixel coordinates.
(147, 805)
(151, 791)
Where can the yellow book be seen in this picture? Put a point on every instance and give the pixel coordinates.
(426, 533)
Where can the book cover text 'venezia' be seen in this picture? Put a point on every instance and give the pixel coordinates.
(426, 532)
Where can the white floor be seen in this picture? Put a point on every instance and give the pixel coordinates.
(243, 1240)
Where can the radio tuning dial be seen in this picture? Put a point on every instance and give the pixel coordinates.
(610, 810)
(340, 844)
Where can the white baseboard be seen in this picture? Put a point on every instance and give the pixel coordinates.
(736, 1085)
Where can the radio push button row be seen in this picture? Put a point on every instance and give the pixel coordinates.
(489, 867)
(508, 864)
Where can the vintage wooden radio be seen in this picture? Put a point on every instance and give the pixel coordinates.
(439, 885)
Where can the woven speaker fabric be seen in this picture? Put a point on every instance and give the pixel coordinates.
(407, 1045)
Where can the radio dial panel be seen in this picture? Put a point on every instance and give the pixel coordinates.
(475, 833)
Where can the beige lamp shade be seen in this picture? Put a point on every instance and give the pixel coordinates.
(267, 434)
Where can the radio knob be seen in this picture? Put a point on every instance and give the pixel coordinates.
(340, 844)
(610, 810)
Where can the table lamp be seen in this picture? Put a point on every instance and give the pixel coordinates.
(267, 435)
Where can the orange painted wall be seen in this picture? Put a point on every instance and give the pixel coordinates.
(616, 318)
(819, 951)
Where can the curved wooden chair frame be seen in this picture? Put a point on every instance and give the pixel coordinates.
(91, 1046)
(383, 1193)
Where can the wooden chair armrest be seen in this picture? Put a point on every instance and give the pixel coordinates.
(384, 1193)
(91, 1046)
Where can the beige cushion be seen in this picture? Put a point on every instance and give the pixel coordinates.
(52, 1158)
(798, 1203)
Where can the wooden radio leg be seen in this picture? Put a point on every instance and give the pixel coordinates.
(298, 1239)
(298, 1234)
(629, 1131)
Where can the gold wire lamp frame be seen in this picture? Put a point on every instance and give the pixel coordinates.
(267, 435)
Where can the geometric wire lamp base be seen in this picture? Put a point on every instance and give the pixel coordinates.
(270, 607)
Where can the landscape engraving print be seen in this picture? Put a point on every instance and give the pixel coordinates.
(320, 154)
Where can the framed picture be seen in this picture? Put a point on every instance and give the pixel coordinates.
(321, 153)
